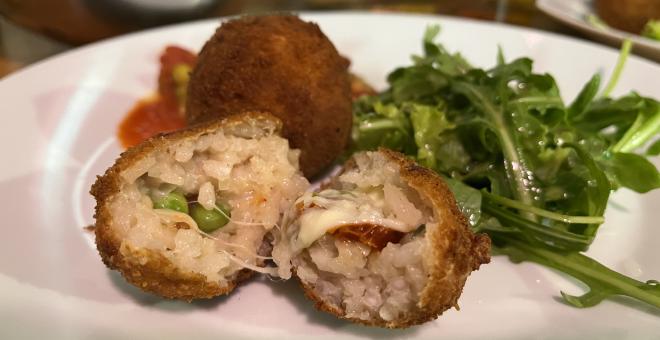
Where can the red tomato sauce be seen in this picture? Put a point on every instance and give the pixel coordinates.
(162, 112)
(147, 118)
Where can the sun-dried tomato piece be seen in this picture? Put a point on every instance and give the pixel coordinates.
(373, 235)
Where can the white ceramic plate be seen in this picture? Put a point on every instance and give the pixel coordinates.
(575, 12)
(57, 132)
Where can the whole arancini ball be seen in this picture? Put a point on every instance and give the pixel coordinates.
(282, 65)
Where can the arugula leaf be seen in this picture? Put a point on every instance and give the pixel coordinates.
(654, 149)
(429, 124)
(602, 113)
(602, 281)
(468, 200)
(600, 187)
(515, 165)
(554, 238)
(585, 97)
(384, 125)
(437, 56)
(652, 29)
(416, 84)
(497, 199)
(645, 177)
(626, 46)
(645, 127)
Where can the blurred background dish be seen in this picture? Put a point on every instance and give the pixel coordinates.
(31, 30)
(609, 21)
(630, 15)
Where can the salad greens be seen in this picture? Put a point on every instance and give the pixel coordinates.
(652, 29)
(532, 171)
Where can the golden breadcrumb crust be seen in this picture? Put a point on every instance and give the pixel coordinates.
(283, 65)
(455, 250)
(148, 269)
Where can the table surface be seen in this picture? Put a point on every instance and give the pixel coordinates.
(31, 30)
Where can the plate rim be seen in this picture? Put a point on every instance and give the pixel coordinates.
(549, 7)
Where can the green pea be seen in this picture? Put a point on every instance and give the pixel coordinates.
(173, 201)
(209, 220)
(181, 76)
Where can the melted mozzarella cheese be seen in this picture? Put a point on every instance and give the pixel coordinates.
(331, 209)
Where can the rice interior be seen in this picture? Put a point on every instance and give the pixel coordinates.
(253, 172)
(358, 280)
